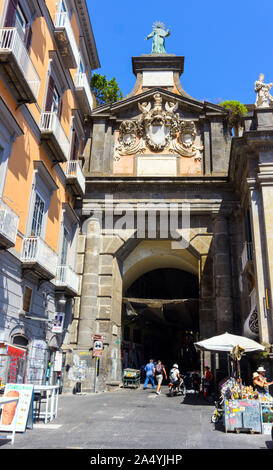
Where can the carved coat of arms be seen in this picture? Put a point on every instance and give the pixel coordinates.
(157, 129)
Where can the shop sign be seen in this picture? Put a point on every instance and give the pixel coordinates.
(58, 323)
(25, 393)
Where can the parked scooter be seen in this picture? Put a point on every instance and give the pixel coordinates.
(218, 411)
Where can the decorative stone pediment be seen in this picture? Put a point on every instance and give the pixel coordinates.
(157, 129)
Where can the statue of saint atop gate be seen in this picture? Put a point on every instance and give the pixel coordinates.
(158, 34)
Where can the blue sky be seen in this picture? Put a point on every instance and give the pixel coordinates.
(226, 44)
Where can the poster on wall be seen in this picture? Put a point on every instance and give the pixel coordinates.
(24, 392)
(58, 361)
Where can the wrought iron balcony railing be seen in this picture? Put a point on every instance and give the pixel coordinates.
(83, 91)
(20, 71)
(66, 39)
(39, 257)
(67, 279)
(75, 177)
(53, 132)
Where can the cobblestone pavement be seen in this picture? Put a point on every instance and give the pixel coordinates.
(133, 419)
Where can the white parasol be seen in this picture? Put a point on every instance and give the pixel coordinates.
(226, 342)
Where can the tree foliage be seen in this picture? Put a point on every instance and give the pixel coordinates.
(105, 91)
(236, 112)
(237, 109)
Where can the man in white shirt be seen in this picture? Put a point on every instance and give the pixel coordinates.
(175, 376)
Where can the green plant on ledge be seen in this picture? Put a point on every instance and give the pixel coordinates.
(236, 111)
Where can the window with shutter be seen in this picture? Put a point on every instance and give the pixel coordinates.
(50, 91)
(28, 36)
(53, 99)
(11, 13)
(27, 299)
(60, 108)
(20, 22)
(75, 145)
(16, 17)
(65, 247)
(55, 102)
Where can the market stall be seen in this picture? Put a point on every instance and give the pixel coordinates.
(244, 409)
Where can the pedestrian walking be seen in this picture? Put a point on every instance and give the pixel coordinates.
(159, 371)
(149, 369)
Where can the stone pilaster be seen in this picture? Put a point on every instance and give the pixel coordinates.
(265, 178)
(207, 304)
(259, 247)
(222, 274)
(90, 285)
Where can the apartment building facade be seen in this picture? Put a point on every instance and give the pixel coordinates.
(47, 53)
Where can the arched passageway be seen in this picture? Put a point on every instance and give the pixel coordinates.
(160, 319)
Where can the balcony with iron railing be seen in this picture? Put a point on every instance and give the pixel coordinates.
(38, 257)
(8, 225)
(247, 254)
(65, 39)
(17, 66)
(75, 178)
(83, 92)
(54, 137)
(66, 280)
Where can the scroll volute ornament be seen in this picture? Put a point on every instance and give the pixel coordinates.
(128, 142)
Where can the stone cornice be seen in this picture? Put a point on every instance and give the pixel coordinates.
(108, 180)
(42, 170)
(158, 62)
(196, 207)
(87, 30)
(208, 108)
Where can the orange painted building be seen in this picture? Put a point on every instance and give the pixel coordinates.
(47, 54)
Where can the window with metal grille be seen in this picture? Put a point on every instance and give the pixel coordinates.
(65, 247)
(37, 218)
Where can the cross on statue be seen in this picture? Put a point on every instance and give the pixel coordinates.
(158, 34)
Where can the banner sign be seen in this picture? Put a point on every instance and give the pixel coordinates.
(25, 393)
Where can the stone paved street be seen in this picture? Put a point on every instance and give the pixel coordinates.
(129, 419)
